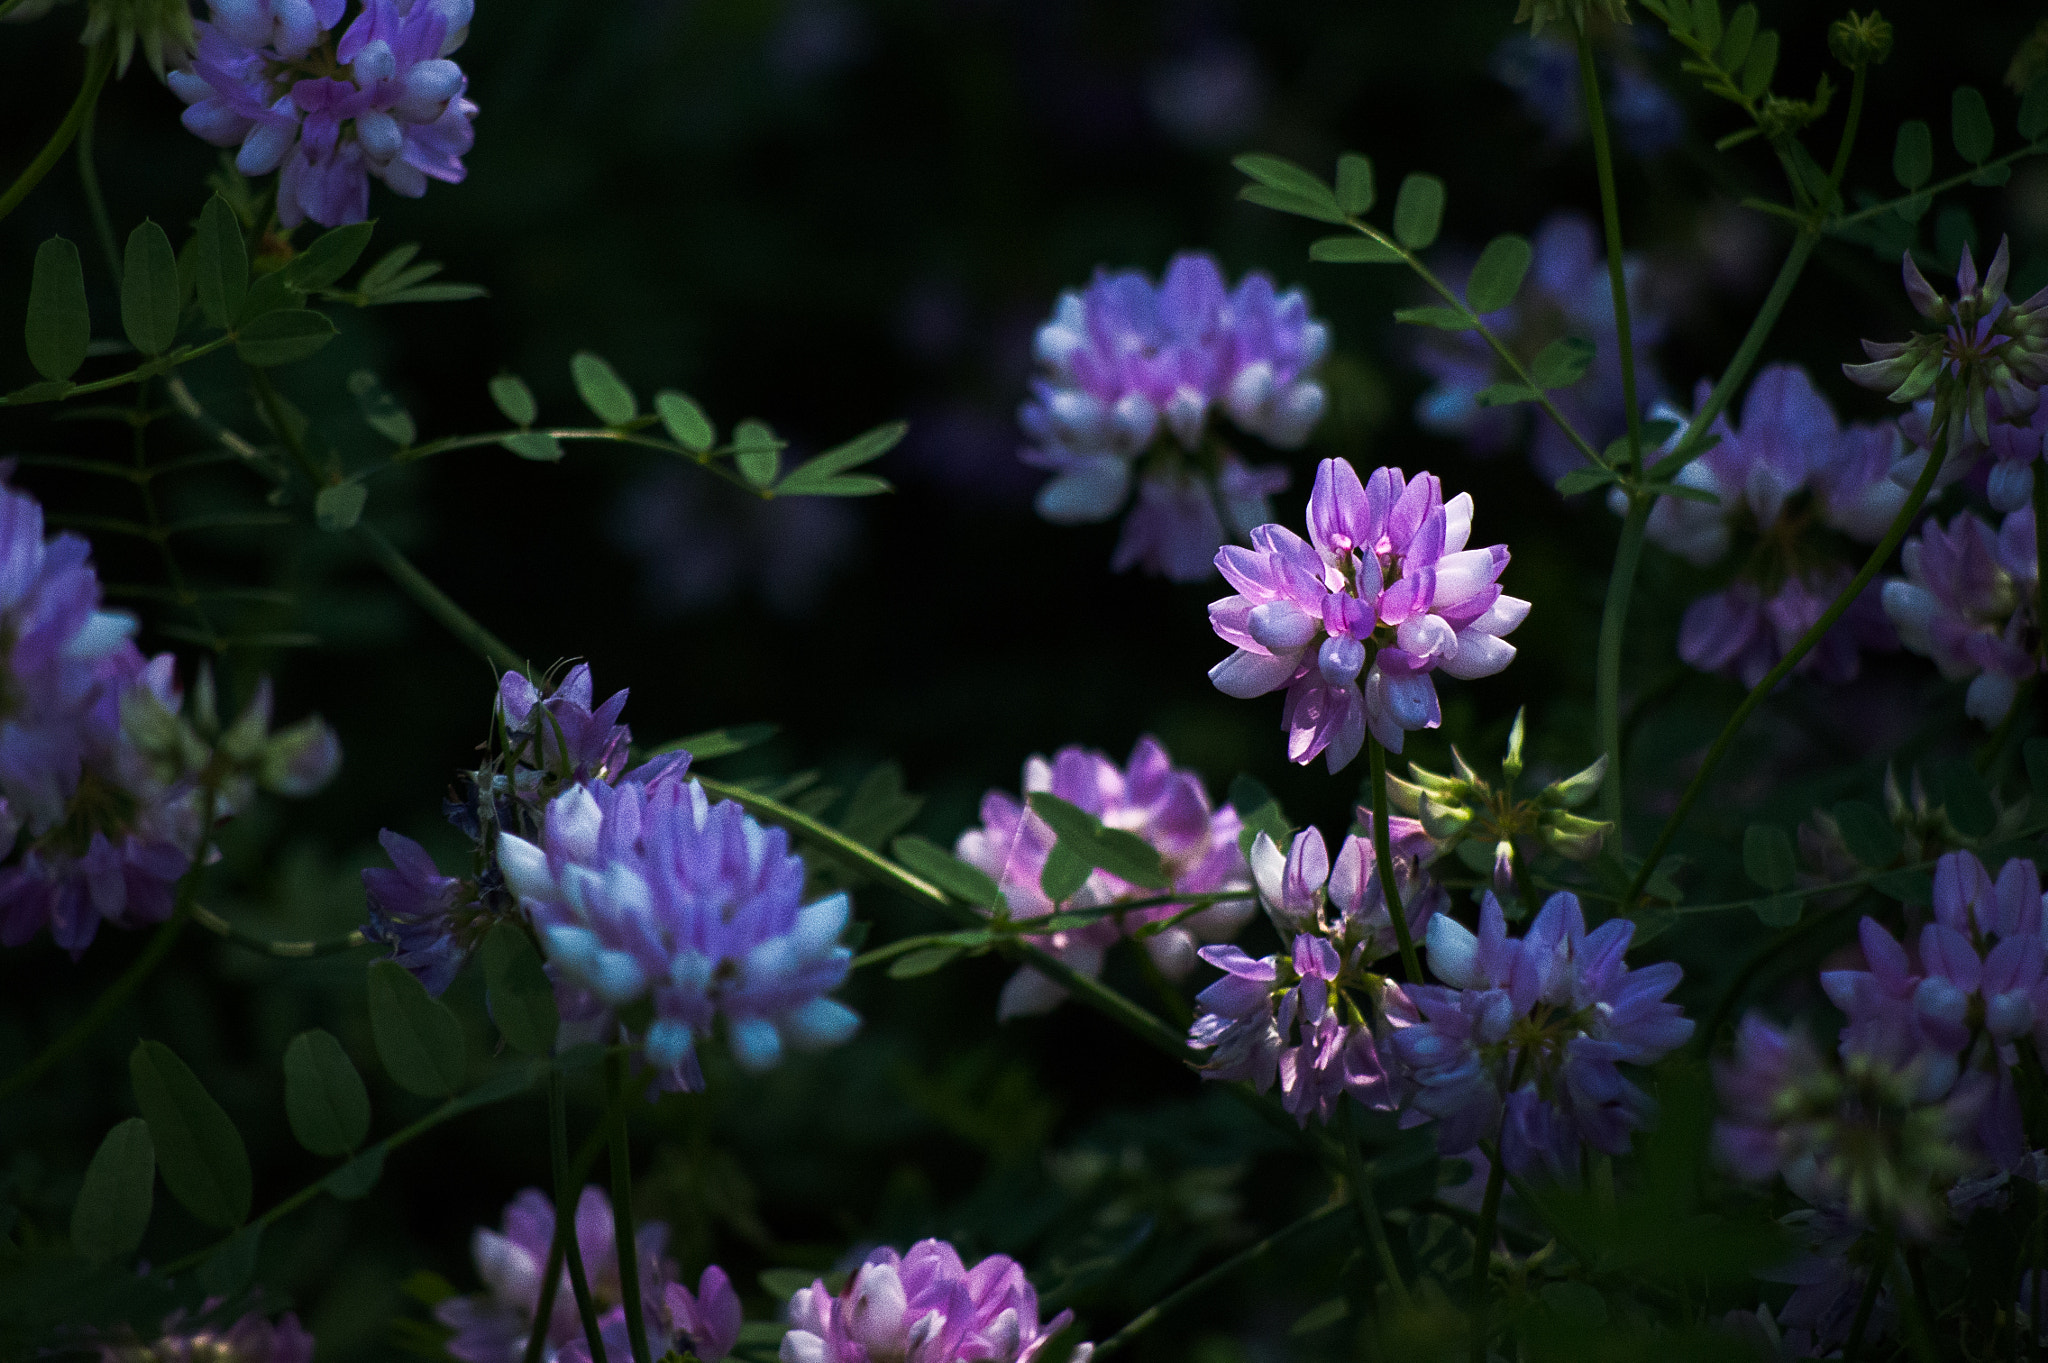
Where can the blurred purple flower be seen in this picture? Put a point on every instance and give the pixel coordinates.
(386, 100)
(1524, 1039)
(1210, 97)
(927, 1306)
(1167, 807)
(701, 545)
(253, 1338)
(1544, 72)
(1130, 373)
(1566, 294)
(1967, 602)
(1384, 590)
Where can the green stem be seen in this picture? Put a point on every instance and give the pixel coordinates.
(566, 1190)
(436, 602)
(1482, 1253)
(1868, 1302)
(1938, 188)
(95, 202)
(1196, 1287)
(1610, 216)
(97, 65)
(103, 1007)
(160, 365)
(1382, 846)
(1879, 556)
(2040, 537)
(1369, 1220)
(851, 849)
(289, 950)
(1849, 125)
(624, 436)
(622, 1212)
(1628, 556)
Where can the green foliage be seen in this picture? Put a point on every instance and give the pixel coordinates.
(1585, 479)
(339, 507)
(829, 474)
(1970, 125)
(229, 1269)
(324, 1097)
(198, 1150)
(221, 265)
(380, 410)
(1767, 856)
(512, 397)
(1419, 211)
(150, 293)
(756, 452)
(283, 336)
(685, 421)
(538, 446)
(1966, 798)
(1124, 855)
(1497, 277)
(1870, 837)
(1282, 185)
(59, 327)
(112, 1211)
(2033, 115)
(331, 255)
(949, 873)
(1354, 184)
(602, 390)
(418, 1038)
(522, 1002)
(1354, 250)
(1913, 154)
(1563, 362)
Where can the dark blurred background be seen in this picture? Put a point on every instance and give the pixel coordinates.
(827, 214)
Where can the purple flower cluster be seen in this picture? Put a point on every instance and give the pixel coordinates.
(1353, 620)
(252, 1338)
(1525, 1039)
(494, 1325)
(1790, 484)
(1130, 373)
(1165, 805)
(1967, 601)
(1314, 1017)
(925, 1306)
(648, 890)
(97, 831)
(271, 78)
(1566, 294)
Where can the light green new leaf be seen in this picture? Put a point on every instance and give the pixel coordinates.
(756, 452)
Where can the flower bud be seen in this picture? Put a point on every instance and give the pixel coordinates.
(299, 760)
(1511, 765)
(1860, 40)
(1576, 789)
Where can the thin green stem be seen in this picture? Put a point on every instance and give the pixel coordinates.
(95, 202)
(1879, 556)
(2040, 537)
(289, 950)
(1197, 1286)
(1939, 187)
(1382, 846)
(164, 363)
(97, 65)
(1368, 1207)
(624, 436)
(1849, 126)
(436, 602)
(103, 1007)
(1482, 1253)
(622, 1211)
(1610, 216)
(566, 1191)
(1860, 1325)
(1628, 556)
(852, 849)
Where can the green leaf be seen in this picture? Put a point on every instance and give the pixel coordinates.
(436, 293)
(112, 1211)
(1908, 887)
(687, 425)
(1767, 856)
(1497, 278)
(338, 508)
(59, 326)
(720, 742)
(283, 337)
(862, 449)
(149, 290)
(1066, 871)
(382, 411)
(1319, 1317)
(1966, 799)
(755, 452)
(267, 294)
(1286, 201)
(1353, 250)
(2035, 753)
(223, 261)
(538, 446)
(1779, 911)
(1913, 154)
(602, 390)
(358, 1176)
(1585, 479)
(1444, 319)
(1762, 64)
(418, 1038)
(1658, 487)
(1418, 211)
(522, 1002)
(1258, 811)
(1563, 362)
(1124, 855)
(948, 872)
(1867, 833)
(228, 1269)
(324, 1097)
(2034, 109)
(924, 962)
(1734, 44)
(1505, 394)
(841, 485)
(201, 1154)
(514, 399)
(1291, 182)
(1354, 184)
(1706, 22)
(1970, 124)
(331, 255)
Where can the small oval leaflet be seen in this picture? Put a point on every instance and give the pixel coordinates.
(1970, 124)
(112, 1211)
(203, 1160)
(1419, 211)
(522, 1002)
(229, 1268)
(755, 452)
(1354, 184)
(602, 390)
(338, 508)
(59, 327)
(685, 421)
(926, 961)
(947, 871)
(418, 1038)
(1735, 41)
(324, 1097)
(1913, 154)
(222, 273)
(150, 291)
(1353, 251)
(514, 399)
(538, 446)
(283, 337)
(1767, 856)
(358, 1176)
(1497, 278)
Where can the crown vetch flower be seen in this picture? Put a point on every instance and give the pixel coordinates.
(1967, 602)
(648, 890)
(418, 912)
(1353, 620)
(271, 78)
(1791, 487)
(1567, 293)
(1528, 1036)
(1165, 805)
(1130, 374)
(925, 1305)
(252, 1338)
(493, 1326)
